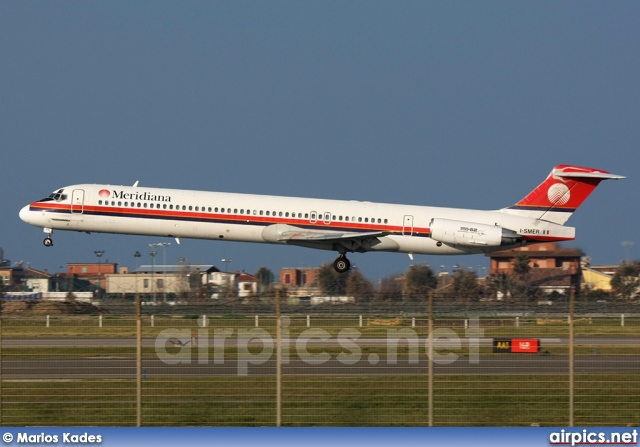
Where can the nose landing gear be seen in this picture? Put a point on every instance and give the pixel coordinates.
(48, 242)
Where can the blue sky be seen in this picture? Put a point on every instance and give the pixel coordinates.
(462, 104)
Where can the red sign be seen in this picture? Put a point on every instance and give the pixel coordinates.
(525, 345)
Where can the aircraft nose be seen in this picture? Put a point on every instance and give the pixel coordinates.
(24, 214)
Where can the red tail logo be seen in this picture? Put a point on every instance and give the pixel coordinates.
(561, 193)
(564, 189)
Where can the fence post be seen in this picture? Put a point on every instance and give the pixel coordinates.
(1, 303)
(138, 361)
(99, 320)
(278, 362)
(308, 320)
(257, 319)
(621, 320)
(571, 359)
(47, 320)
(430, 362)
(360, 321)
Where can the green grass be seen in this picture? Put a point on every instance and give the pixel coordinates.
(126, 327)
(504, 400)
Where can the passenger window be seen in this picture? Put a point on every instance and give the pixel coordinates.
(144, 205)
(359, 219)
(280, 214)
(99, 202)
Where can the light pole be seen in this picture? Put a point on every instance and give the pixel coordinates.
(98, 254)
(226, 264)
(626, 245)
(153, 253)
(164, 245)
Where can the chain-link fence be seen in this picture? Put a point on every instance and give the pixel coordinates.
(340, 365)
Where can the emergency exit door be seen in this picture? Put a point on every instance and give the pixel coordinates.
(407, 226)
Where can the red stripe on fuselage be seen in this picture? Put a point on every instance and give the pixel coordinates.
(127, 212)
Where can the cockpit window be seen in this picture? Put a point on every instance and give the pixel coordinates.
(56, 195)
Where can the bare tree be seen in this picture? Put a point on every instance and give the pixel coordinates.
(626, 281)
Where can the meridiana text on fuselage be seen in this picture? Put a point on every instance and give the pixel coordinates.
(145, 196)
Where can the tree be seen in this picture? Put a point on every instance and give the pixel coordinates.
(419, 282)
(626, 281)
(500, 285)
(332, 283)
(521, 269)
(390, 289)
(465, 285)
(359, 287)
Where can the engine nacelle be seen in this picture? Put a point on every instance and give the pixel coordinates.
(457, 232)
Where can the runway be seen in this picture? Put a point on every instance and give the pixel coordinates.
(183, 361)
(121, 368)
(87, 342)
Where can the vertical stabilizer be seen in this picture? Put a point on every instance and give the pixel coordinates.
(562, 192)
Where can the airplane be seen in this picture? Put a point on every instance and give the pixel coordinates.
(337, 225)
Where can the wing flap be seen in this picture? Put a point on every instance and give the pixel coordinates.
(323, 239)
(329, 236)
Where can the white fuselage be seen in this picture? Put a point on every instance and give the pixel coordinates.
(268, 219)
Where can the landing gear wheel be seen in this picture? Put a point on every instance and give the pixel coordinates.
(48, 242)
(341, 264)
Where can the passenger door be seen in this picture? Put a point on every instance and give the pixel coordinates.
(77, 201)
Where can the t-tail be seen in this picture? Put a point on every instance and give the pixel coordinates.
(564, 190)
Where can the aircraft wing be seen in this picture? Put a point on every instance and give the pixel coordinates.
(329, 236)
(350, 240)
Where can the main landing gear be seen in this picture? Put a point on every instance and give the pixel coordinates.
(48, 242)
(341, 264)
